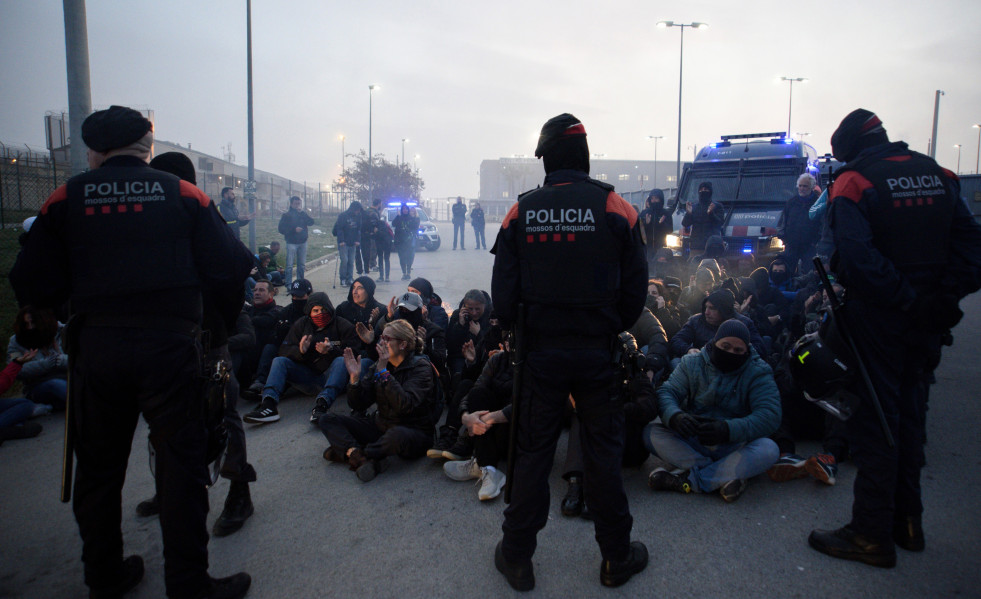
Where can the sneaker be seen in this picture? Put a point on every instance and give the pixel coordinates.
(319, 410)
(444, 442)
(462, 469)
(614, 574)
(662, 480)
(823, 467)
(40, 409)
(491, 483)
(332, 454)
(845, 543)
(788, 467)
(733, 489)
(131, 575)
(461, 449)
(265, 412)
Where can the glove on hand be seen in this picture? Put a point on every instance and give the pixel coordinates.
(684, 424)
(715, 432)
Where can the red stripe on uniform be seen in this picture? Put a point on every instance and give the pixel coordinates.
(59, 195)
(121, 208)
(556, 236)
(618, 205)
(106, 209)
(191, 191)
(570, 237)
(89, 211)
(137, 207)
(850, 185)
(543, 237)
(511, 216)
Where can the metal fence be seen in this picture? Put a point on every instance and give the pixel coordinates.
(27, 177)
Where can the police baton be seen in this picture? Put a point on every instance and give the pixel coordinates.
(517, 368)
(846, 335)
(68, 451)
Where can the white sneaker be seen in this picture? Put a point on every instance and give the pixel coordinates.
(492, 482)
(462, 469)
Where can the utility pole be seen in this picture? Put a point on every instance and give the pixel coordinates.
(936, 115)
(79, 93)
(250, 186)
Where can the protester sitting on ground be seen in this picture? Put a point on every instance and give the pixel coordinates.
(311, 359)
(701, 328)
(719, 405)
(402, 386)
(701, 284)
(14, 411)
(300, 291)
(663, 308)
(782, 276)
(410, 309)
(45, 378)
(361, 305)
(274, 272)
(485, 412)
(431, 300)
(264, 314)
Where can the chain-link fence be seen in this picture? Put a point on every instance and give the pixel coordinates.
(27, 177)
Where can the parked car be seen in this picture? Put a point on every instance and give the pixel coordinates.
(428, 235)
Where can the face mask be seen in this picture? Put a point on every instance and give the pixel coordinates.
(780, 277)
(724, 360)
(321, 319)
(704, 196)
(413, 317)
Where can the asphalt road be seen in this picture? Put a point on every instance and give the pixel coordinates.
(319, 532)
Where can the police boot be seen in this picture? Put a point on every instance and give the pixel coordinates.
(238, 508)
(572, 502)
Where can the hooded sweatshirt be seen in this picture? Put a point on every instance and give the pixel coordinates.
(354, 313)
(338, 330)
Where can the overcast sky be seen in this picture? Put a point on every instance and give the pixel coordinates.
(467, 81)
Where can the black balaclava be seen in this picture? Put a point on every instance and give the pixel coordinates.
(724, 360)
(705, 196)
(413, 317)
(562, 144)
(859, 130)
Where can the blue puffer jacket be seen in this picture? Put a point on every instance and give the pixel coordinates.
(747, 398)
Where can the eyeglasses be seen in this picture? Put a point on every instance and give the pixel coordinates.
(386, 338)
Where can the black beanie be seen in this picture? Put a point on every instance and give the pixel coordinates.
(175, 163)
(732, 328)
(761, 279)
(425, 288)
(563, 126)
(115, 127)
(723, 300)
(705, 184)
(859, 130)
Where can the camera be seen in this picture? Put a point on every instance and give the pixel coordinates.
(628, 356)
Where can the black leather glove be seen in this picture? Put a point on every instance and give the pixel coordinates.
(713, 432)
(684, 424)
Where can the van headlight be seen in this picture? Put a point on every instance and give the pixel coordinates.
(672, 241)
(776, 244)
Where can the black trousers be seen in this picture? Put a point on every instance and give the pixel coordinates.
(887, 483)
(359, 430)
(491, 448)
(550, 375)
(118, 374)
(460, 228)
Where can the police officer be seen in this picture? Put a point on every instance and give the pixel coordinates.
(132, 249)
(571, 252)
(907, 252)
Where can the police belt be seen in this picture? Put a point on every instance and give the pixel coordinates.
(156, 322)
(540, 341)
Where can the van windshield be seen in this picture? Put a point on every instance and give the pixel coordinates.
(754, 184)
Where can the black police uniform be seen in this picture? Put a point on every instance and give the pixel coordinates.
(571, 251)
(907, 250)
(132, 247)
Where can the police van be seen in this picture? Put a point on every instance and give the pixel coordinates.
(753, 175)
(427, 236)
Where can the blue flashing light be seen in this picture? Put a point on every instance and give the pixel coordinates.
(397, 204)
(747, 250)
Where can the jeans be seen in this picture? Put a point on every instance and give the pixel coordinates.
(461, 227)
(276, 278)
(295, 252)
(301, 376)
(384, 263)
(480, 241)
(53, 392)
(14, 410)
(347, 252)
(711, 467)
(337, 377)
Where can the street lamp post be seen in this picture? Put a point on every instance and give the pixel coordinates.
(342, 152)
(936, 118)
(404, 139)
(681, 67)
(371, 158)
(977, 161)
(790, 105)
(958, 146)
(655, 138)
